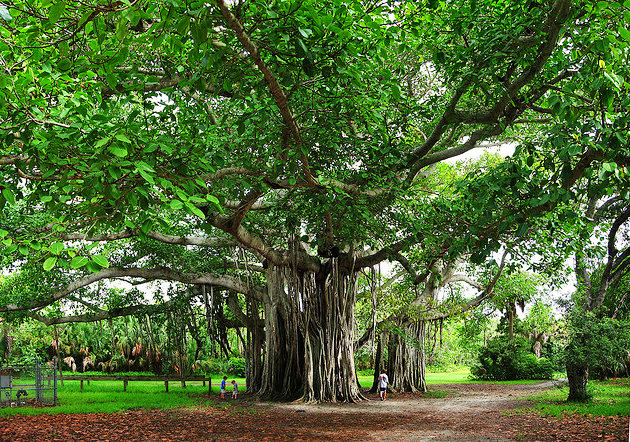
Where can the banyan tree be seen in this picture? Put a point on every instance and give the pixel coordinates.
(309, 134)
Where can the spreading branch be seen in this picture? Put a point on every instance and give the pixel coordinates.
(163, 273)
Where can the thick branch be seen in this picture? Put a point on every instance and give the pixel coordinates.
(485, 294)
(385, 253)
(274, 86)
(102, 314)
(164, 273)
(249, 240)
(184, 240)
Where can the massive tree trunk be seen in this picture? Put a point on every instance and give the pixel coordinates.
(283, 362)
(406, 364)
(328, 325)
(309, 347)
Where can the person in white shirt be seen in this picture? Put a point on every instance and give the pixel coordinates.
(234, 389)
(383, 380)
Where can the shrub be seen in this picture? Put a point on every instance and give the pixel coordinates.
(232, 366)
(503, 360)
(237, 367)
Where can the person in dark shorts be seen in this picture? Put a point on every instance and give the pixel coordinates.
(383, 380)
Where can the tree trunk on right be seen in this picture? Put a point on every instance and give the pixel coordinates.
(406, 361)
(577, 375)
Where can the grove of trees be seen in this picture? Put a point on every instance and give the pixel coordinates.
(286, 155)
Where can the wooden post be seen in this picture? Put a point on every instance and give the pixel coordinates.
(209, 386)
(183, 383)
(81, 384)
(125, 385)
(166, 385)
(88, 382)
(204, 382)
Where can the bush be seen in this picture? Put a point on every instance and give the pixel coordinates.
(505, 360)
(237, 367)
(232, 366)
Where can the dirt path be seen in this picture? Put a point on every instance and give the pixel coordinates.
(449, 412)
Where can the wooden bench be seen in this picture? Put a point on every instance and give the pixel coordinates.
(126, 379)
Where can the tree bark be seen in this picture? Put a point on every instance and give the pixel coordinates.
(309, 346)
(379, 362)
(577, 375)
(328, 326)
(283, 361)
(406, 360)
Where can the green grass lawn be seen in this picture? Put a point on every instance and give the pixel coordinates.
(610, 398)
(109, 397)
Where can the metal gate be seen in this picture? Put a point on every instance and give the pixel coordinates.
(28, 385)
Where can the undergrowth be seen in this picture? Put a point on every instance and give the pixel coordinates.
(609, 398)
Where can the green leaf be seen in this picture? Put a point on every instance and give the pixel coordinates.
(50, 263)
(118, 150)
(194, 210)
(102, 142)
(609, 167)
(78, 262)
(176, 204)
(123, 138)
(114, 172)
(305, 32)
(141, 165)
(93, 267)
(624, 33)
(8, 195)
(64, 64)
(56, 11)
(121, 29)
(45, 198)
(56, 248)
(148, 177)
(101, 261)
(3, 233)
(522, 229)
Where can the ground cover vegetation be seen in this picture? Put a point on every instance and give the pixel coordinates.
(266, 158)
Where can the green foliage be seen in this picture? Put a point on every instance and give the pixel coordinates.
(600, 343)
(226, 366)
(21, 344)
(237, 367)
(503, 360)
(363, 359)
(459, 341)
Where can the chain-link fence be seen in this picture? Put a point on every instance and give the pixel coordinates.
(28, 385)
